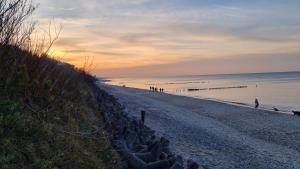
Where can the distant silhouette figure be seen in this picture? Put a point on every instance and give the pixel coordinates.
(256, 103)
(143, 117)
(162, 89)
(152, 88)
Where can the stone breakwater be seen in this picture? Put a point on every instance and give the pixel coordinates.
(138, 146)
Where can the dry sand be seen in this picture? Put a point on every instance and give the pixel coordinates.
(215, 134)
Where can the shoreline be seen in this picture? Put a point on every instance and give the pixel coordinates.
(274, 91)
(234, 103)
(261, 107)
(216, 134)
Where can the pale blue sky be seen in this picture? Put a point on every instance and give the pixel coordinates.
(147, 37)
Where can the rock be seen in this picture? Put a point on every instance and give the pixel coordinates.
(163, 156)
(179, 159)
(165, 145)
(146, 157)
(130, 140)
(177, 166)
(156, 150)
(162, 164)
(141, 148)
(192, 165)
(135, 162)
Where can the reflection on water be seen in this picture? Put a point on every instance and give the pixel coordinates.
(280, 90)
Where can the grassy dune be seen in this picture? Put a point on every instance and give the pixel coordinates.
(49, 117)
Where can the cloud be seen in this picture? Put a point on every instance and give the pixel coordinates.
(126, 33)
(234, 64)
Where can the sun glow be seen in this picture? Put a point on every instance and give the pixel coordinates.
(209, 37)
(56, 53)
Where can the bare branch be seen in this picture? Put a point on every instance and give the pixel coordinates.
(13, 29)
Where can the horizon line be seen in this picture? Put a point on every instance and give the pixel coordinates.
(268, 72)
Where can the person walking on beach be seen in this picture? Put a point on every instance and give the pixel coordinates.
(256, 103)
(143, 117)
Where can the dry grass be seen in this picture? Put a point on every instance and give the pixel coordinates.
(49, 117)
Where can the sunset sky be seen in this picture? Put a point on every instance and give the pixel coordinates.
(176, 37)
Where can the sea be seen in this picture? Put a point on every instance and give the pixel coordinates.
(275, 90)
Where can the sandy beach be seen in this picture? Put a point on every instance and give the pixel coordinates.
(216, 134)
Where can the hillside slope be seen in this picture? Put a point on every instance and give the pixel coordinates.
(49, 116)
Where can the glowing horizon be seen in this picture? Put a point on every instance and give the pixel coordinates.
(176, 37)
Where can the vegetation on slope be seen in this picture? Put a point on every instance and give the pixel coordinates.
(49, 117)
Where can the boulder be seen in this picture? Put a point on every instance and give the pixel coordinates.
(162, 164)
(192, 165)
(146, 157)
(135, 162)
(177, 166)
